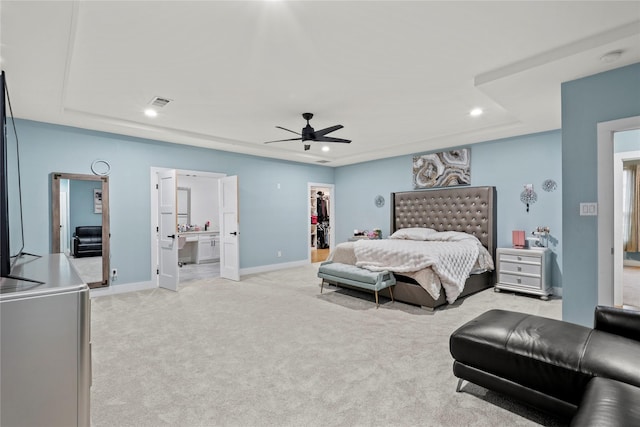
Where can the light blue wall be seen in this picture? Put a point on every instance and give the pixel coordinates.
(508, 164)
(585, 103)
(270, 219)
(81, 204)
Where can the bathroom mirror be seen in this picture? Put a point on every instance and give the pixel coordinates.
(80, 224)
(184, 205)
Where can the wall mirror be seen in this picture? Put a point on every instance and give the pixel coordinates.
(80, 224)
(184, 205)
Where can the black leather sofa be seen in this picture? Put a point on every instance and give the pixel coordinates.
(87, 241)
(589, 375)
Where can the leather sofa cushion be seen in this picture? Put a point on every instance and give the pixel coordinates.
(89, 231)
(625, 323)
(608, 402)
(536, 352)
(89, 240)
(612, 356)
(90, 247)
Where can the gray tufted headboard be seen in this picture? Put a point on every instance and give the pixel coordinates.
(467, 209)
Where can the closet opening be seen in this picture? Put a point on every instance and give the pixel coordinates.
(321, 221)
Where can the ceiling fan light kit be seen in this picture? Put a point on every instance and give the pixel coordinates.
(310, 134)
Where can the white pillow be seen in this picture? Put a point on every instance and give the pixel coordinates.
(417, 233)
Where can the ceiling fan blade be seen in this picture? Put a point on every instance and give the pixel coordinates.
(282, 140)
(323, 132)
(288, 130)
(330, 139)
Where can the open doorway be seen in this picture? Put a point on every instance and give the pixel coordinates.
(189, 239)
(321, 209)
(610, 253)
(198, 226)
(627, 223)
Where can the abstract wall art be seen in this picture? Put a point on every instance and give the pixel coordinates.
(445, 169)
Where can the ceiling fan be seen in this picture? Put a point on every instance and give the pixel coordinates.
(309, 134)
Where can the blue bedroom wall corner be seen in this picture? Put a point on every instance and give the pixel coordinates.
(586, 102)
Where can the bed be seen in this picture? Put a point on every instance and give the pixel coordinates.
(470, 210)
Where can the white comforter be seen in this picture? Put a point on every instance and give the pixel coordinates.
(445, 258)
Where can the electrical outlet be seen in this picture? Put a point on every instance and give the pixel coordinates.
(114, 273)
(279, 254)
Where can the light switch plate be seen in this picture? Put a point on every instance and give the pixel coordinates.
(588, 209)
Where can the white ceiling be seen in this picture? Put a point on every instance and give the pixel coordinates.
(400, 76)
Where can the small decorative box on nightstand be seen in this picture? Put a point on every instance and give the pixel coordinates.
(524, 270)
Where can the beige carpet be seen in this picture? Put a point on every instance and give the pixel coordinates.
(88, 268)
(272, 351)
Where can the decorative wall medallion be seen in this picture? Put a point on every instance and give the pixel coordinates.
(379, 201)
(445, 169)
(549, 185)
(100, 167)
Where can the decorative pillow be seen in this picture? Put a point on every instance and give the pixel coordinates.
(417, 233)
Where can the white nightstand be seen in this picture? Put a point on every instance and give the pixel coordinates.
(524, 270)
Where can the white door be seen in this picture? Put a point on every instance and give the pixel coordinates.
(229, 228)
(167, 224)
(64, 223)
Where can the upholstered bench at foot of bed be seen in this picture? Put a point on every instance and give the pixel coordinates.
(355, 276)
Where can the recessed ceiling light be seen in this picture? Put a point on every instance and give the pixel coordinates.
(325, 148)
(612, 56)
(476, 112)
(150, 112)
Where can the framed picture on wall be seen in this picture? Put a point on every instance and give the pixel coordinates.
(445, 169)
(97, 200)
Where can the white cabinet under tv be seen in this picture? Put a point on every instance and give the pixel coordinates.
(45, 341)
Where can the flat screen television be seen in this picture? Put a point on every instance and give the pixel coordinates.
(11, 223)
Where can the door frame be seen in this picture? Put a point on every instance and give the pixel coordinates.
(618, 256)
(64, 223)
(153, 204)
(332, 214)
(608, 270)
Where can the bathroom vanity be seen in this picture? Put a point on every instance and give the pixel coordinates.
(199, 246)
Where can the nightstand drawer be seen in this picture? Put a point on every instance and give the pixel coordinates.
(525, 281)
(520, 258)
(512, 267)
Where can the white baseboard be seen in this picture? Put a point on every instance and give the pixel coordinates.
(273, 267)
(557, 291)
(120, 289)
(141, 286)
